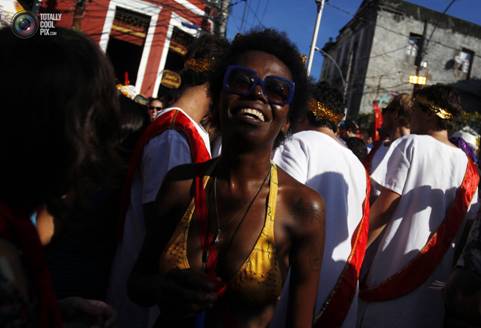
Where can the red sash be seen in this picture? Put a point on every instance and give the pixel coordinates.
(15, 226)
(206, 237)
(337, 304)
(175, 120)
(419, 269)
(209, 249)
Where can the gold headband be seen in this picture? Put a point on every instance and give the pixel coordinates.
(438, 111)
(304, 59)
(198, 65)
(322, 112)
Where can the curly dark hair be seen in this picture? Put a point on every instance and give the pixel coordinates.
(444, 96)
(329, 96)
(60, 116)
(209, 47)
(276, 44)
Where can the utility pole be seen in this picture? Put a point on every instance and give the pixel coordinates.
(320, 8)
(221, 18)
(420, 53)
(424, 45)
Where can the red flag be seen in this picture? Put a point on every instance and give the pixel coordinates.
(377, 121)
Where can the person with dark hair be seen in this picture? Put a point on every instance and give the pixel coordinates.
(314, 156)
(154, 107)
(358, 147)
(57, 136)
(134, 119)
(226, 231)
(175, 137)
(348, 128)
(333, 100)
(429, 190)
(396, 117)
(80, 242)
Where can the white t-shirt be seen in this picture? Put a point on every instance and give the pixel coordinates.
(331, 169)
(426, 173)
(162, 153)
(376, 159)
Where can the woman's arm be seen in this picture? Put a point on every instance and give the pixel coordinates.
(183, 291)
(305, 258)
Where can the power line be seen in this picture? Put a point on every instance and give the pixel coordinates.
(425, 51)
(236, 24)
(243, 16)
(255, 15)
(258, 4)
(257, 8)
(235, 3)
(265, 10)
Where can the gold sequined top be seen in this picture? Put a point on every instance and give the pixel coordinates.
(259, 280)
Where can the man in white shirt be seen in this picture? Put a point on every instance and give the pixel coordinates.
(395, 125)
(428, 187)
(315, 156)
(174, 138)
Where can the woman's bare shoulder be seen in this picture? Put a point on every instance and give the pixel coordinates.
(304, 204)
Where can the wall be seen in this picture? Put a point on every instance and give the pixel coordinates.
(383, 66)
(390, 67)
(351, 52)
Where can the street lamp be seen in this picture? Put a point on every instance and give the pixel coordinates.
(325, 54)
(336, 65)
(320, 7)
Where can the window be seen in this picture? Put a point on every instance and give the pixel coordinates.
(463, 62)
(414, 43)
(126, 43)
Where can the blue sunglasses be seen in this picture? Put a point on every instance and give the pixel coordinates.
(242, 81)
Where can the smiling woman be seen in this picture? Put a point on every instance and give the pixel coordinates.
(227, 230)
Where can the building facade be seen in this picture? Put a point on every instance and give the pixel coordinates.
(389, 42)
(143, 38)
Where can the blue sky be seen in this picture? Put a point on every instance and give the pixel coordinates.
(297, 18)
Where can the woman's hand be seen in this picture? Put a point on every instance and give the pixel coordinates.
(186, 292)
(81, 312)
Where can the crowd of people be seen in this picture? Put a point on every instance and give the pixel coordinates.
(247, 200)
